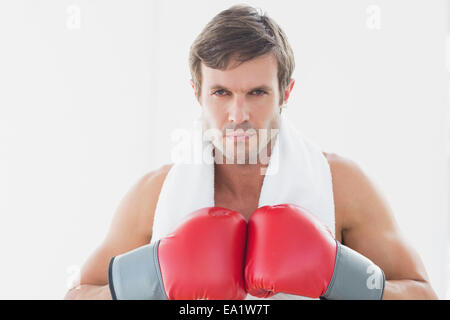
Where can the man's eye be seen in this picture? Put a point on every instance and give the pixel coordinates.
(220, 92)
(223, 92)
(258, 92)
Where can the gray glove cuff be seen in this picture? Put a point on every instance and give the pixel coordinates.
(355, 277)
(136, 275)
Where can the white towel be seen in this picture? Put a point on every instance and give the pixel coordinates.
(298, 173)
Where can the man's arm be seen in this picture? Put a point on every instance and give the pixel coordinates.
(131, 228)
(369, 227)
(88, 292)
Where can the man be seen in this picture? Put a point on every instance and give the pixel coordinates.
(241, 66)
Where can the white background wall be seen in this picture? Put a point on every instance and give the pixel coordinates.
(91, 90)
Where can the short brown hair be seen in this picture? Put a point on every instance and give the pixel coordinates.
(242, 33)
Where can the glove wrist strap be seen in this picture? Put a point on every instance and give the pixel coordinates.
(136, 275)
(355, 277)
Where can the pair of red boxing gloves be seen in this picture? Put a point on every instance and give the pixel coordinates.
(216, 254)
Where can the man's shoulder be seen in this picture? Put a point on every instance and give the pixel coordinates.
(151, 183)
(155, 178)
(358, 199)
(351, 188)
(146, 192)
(343, 169)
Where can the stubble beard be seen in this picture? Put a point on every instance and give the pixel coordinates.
(256, 149)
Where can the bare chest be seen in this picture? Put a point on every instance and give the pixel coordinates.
(246, 206)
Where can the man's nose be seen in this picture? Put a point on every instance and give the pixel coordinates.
(237, 112)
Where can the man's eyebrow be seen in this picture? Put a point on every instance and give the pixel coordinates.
(220, 87)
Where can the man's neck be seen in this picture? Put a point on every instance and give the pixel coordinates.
(238, 180)
(241, 180)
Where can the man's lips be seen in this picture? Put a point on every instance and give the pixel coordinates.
(240, 136)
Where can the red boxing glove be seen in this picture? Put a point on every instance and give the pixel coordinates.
(202, 259)
(289, 250)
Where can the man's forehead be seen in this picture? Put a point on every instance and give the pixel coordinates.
(259, 71)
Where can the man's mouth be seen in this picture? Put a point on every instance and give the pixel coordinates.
(240, 135)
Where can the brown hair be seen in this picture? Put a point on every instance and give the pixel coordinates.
(240, 33)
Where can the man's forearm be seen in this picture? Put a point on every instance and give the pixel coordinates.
(408, 289)
(89, 292)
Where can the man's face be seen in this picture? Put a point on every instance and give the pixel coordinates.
(239, 102)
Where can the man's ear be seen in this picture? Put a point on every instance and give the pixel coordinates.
(195, 91)
(288, 90)
(193, 87)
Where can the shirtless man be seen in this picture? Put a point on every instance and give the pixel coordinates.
(250, 94)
